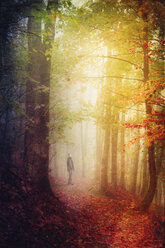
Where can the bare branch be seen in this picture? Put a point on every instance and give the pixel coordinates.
(114, 57)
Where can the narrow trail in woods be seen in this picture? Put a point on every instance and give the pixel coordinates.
(105, 221)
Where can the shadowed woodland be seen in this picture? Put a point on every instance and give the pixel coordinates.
(82, 80)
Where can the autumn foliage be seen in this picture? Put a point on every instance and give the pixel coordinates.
(78, 216)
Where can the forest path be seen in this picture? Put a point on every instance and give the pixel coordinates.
(103, 222)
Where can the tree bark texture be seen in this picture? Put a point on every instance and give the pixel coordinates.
(37, 103)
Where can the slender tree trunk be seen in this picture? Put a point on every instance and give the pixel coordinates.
(114, 153)
(142, 171)
(158, 193)
(163, 182)
(99, 144)
(159, 189)
(98, 153)
(135, 163)
(82, 150)
(151, 149)
(135, 169)
(104, 162)
(86, 124)
(145, 174)
(122, 177)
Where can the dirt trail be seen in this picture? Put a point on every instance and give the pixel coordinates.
(103, 222)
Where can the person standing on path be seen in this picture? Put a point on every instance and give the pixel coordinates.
(70, 168)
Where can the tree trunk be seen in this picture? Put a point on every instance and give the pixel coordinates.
(160, 155)
(135, 162)
(31, 146)
(82, 150)
(135, 169)
(151, 150)
(99, 143)
(122, 177)
(104, 162)
(114, 153)
(145, 174)
(37, 103)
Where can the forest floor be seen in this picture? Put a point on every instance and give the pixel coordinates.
(106, 221)
(76, 216)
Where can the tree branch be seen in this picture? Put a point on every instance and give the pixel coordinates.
(113, 57)
(141, 80)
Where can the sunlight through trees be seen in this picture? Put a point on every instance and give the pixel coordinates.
(84, 78)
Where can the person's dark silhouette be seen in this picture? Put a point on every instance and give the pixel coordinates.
(70, 168)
